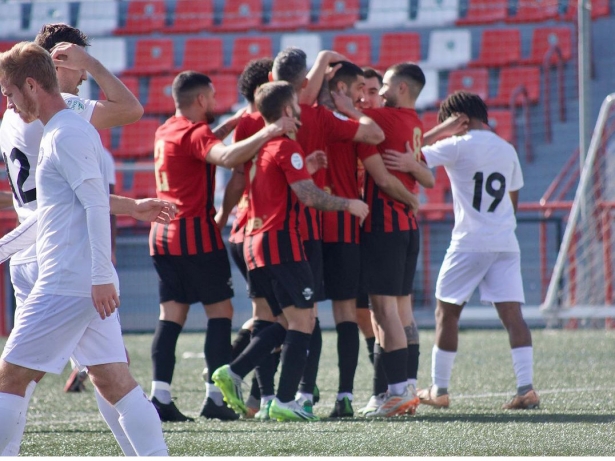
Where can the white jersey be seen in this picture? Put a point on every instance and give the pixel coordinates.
(71, 153)
(483, 169)
(19, 143)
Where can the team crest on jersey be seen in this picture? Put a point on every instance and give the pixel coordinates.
(75, 105)
(296, 160)
(307, 293)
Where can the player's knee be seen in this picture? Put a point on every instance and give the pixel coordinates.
(14, 379)
(113, 381)
(221, 310)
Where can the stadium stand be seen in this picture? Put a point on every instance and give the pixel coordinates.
(337, 14)
(137, 139)
(159, 96)
(448, 49)
(2, 106)
(484, 12)
(498, 48)
(600, 8)
(241, 15)
(288, 15)
(226, 92)
(514, 78)
(356, 47)
(436, 13)
(202, 55)
(105, 138)
(152, 56)
(143, 17)
(502, 122)
(132, 83)
(10, 20)
(247, 48)
(429, 95)
(472, 80)
(98, 18)
(311, 43)
(143, 184)
(390, 14)
(545, 38)
(533, 11)
(192, 16)
(397, 47)
(111, 52)
(42, 13)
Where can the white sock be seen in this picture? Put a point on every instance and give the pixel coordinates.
(266, 399)
(141, 424)
(397, 388)
(341, 395)
(12, 449)
(441, 366)
(523, 364)
(12, 407)
(412, 382)
(303, 396)
(111, 417)
(162, 392)
(212, 392)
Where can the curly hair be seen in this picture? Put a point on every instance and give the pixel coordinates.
(463, 102)
(255, 74)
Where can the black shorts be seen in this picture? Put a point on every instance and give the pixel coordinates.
(341, 270)
(283, 285)
(388, 262)
(363, 300)
(313, 252)
(204, 278)
(236, 250)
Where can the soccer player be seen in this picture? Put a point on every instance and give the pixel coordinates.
(74, 260)
(390, 242)
(341, 251)
(276, 259)
(188, 253)
(485, 178)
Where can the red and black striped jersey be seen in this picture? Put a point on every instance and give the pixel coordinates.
(186, 179)
(400, 126)
(319, 128)
(249, 125)
(272, 233)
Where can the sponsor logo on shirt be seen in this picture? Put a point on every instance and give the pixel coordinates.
(296, 160)
(75, 105)
(307, 293)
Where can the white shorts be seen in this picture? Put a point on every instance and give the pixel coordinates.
(23, 278)
(50, 329)
(497, 275)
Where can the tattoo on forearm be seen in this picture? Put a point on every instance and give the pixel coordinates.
(312, 196)
(222, 131)
(412, 334)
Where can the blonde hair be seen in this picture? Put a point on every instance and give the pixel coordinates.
(28, 60)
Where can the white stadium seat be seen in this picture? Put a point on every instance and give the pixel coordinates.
(98, 18)
(429, 95)
(436, 13)
(310, 43)
(47, 12)
(111, 52)
(10, 20)
(448, 49)
(390, 13)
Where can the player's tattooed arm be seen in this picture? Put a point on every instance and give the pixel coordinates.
(225, 128)
(310, 195)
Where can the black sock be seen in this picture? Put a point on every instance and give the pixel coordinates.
(413, 361)
(265, 370)
(241, 342)
(380, 378)
(294, 358)
(163, 350)
(217, 345)
(396, 365)
(347, 354)
(254, 390)
(370, 347)
(308, 380)
(260, 347)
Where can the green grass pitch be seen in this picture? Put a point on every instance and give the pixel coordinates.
(573, 375)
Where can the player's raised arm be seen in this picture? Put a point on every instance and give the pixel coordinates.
(317, 75)
(369, 132)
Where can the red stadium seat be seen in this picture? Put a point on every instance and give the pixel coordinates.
(544, 38)
(247, 48)
(226, 92)
(438, 193)
(152, 56)
(105, 138)
(192, 16)
(143, 17)
(2, 105)
(202, 55)
(512, 78)
(398, 47)
(144, 184)
(159, 96)
(429, 119)
(137, 139)
(599, 9)
(499, 48)
(120, 185)
(289, 15)
(6, 45)
(132, 83)
(502, 122)
(241, 15)
(485, 12)
(472, 80)
(337, 14)
(356, 47)
(533, 11)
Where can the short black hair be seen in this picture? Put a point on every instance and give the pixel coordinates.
(52, 34)
(411, 73)
(463, 102)
(370, 72)
(271, 99)
(290, 65)
(186, 85)
(254, 75)
(347, 73)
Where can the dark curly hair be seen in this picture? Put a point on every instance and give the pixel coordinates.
(463, 102)
(255, 74)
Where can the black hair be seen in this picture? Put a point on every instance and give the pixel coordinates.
(254, 75)
(271, 99)
(463, 102)
(412, 74)
(347, 73)
(290, 65)
(369, 72)
(52, 34)
(185, 86)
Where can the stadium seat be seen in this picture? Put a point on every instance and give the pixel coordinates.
(120, 185)
(202, 55)
(144, 184)
(111, 52)
(132, 83)
(105, 138)
(472, 80)
(310, 43)
(485, 12)
(2, 105)
(389, 14)
(356, 47)
(227, 94)
(159, 96)
(599, 9)
(534, 11)
(429, 119)
(241, 15)
(247, 48)
(448, 49)
(498, 48)
(47, 12)
(152, 56)
(502, 121)
(192, 16)
(436, 13)
(137, 139)
(438, 193)
(337, 14)
(98, 18)
(289, 15)
(398, 47)
(429, 94)
(143, 17)
(10, 20)
(543, 38)
(513, 77)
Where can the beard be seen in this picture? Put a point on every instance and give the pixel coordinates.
(210, 117)
(391, 102)
(28, 112)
